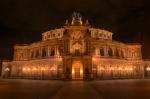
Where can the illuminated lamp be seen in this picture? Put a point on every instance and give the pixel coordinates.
(72, 70)
(24, 69)
(81, 71)
(126, 68)
(34, 69)
(7, 69)
(120, 68)
(130, 69)
(53, 68)
(43, 68)
(102, 68)
(28, 69)
(148, 69)
(111, 68)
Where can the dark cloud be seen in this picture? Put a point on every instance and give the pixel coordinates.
(23, 21)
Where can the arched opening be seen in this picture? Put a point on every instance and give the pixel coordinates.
(102, 51)
(122, 54)
(146, 71)
(7, 71)
(37, 54)
(43, 52)
(32, 54)
(52, 52)
(117, 53)
(110, 52)
(77, 52)
(77, 70)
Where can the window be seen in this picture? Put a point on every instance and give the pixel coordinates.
(53, 35)
(45, 37)
(43, 52)
(60, 51)
(100, 34)
(104, 36)
(58, 34)
(117, 52)
(32, 54)
(96, 34)
(110, 52)
(102, 51)
(49, 36)
(52, 52)
(77, 52)
(37, 53)
(122, 54)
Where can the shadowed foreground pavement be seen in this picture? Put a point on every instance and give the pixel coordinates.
(47, 89)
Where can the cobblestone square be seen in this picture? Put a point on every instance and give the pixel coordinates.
(55, 89)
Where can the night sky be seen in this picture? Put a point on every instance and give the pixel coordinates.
(23, 21)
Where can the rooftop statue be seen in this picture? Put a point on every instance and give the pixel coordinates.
(76, 19)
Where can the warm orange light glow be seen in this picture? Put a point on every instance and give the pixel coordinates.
(53, 68)
(101, 68)
(43, 69)
(126, 68)
(28, 69)
(7, 69)
(94, 59)
(111, 68)
(119, 68)
(81, 71)
(73, 71)
(75, 67)
(34, 69)
(130, 69)
(148, 69)
(24, 69)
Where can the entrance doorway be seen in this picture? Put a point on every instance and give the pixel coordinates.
(77, 70)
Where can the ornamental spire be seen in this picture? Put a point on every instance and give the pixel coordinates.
(76, 19)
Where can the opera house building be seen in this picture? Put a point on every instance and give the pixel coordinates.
(76, 51)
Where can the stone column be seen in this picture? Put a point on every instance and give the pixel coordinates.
(40, 52)
(56, 51)
(34, 53)
(96, 52)
(55, 48)
(124, 51)
(46, 51)
(105, 51)
(113, 52)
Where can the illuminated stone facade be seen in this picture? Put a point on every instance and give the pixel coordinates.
(76, 51)
(146, 64)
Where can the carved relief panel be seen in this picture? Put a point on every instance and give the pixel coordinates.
(134, 53)
(77, 43)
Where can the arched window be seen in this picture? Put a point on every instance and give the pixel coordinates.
(32, 54)
(37, 53)
(43, 52)
(52, 52)
(117, 53)
(93, 50)
(96, 34)
(102, 51)
(122, 54)
(53, 35)
(110, 52)
(77, 52)
(60, 51)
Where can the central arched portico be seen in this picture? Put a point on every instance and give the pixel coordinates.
(77, 70)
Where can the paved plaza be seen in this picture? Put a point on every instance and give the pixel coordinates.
(54, 89)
